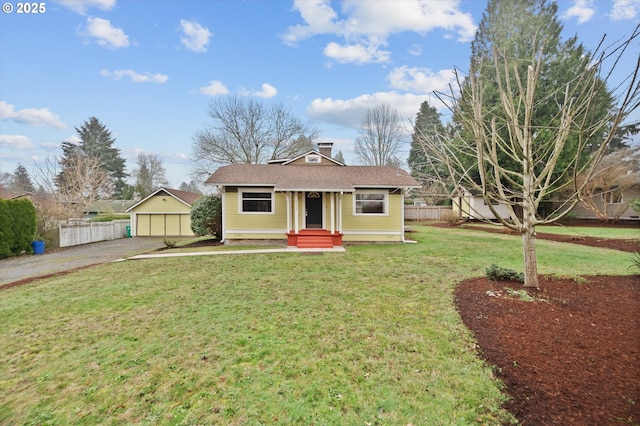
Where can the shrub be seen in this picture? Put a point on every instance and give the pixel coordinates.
(635, 260)
(206, 216)
(169, 243)
(497, 273)
(110, 217)
(450, 217)
(17, 227)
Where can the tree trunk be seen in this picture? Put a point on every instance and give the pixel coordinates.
(530, 260)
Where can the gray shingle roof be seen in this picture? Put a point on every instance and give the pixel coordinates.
(316, 178)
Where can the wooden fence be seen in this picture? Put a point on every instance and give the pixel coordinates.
(78, 232)
(419, 213)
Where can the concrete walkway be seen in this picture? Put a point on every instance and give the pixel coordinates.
(28, 267)
(219, 252)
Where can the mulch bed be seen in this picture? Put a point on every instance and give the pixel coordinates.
(571, 357)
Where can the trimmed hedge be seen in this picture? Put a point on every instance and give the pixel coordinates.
(17, 227)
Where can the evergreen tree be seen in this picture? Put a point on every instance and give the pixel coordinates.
(21, 181)
(340, 157)
(515, 29)
(95, 142)
(192, 186)
(428, 124)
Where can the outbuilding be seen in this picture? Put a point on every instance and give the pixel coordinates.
(164, 213)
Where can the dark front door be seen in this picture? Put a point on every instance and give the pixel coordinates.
(313, 204)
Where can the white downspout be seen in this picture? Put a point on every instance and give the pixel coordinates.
(223, 198)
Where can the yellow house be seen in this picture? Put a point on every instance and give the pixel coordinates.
(312, 201)
(166, 212)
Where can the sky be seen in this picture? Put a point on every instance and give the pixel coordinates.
(148, 70)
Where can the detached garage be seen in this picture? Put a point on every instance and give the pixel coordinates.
(165, 213)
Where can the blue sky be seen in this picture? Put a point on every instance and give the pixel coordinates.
(148, 69)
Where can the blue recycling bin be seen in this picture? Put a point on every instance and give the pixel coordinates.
(38, 247)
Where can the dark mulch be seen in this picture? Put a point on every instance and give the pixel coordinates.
(572, 358)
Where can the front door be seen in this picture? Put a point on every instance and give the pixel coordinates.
(313, 212)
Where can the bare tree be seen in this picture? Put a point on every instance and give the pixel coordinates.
(85, 182)
(532, 152)
(149, 175)
(380, 137)
(617, 173)
(247, 131)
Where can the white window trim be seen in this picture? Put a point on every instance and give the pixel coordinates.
(241, 191)
(372, 191)
(313, 158)
(608, 197)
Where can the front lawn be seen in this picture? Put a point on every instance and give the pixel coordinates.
(370, 336)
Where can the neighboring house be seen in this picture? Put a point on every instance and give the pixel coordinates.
(166, 212)
(312, 201)
(472, 206)
(11, 195)
(614, 202)
(107, 207)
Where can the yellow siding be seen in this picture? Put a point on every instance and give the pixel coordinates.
(378, 223)
(243, 221)
(162, 204)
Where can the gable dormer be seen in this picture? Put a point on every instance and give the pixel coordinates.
(319, 157)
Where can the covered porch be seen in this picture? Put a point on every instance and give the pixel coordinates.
(314, 218)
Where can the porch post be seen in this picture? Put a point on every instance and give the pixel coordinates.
(296, 217)
(340, 211)
(288, 196)
(333, 212)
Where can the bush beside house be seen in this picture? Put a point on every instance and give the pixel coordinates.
(206, 216)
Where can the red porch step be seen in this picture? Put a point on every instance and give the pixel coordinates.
(314, 238)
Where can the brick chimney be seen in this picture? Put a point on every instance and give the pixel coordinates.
(325, 148)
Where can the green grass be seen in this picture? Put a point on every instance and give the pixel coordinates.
(370, 336)
(583, 231)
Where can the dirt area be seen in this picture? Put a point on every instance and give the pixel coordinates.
(569, 357)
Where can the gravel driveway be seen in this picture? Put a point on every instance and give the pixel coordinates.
(32, 266)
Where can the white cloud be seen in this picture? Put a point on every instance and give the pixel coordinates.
(81, 6)
(421, 80)
(624, 9)
(214, 88)
(372, 22)
(16, 142)
(318, 17)
(356, 53)
(106, 35)
(415, 50)
(268, 91)
(196, 37)
(583, 10)
(30, 116)
(349, 113)
(135, 76)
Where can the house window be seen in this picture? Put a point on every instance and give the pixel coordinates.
(257, 202)
(612, 196)
(312, 159)
(374, 202)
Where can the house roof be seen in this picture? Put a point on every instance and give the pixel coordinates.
(301, 177)
(187, 198)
